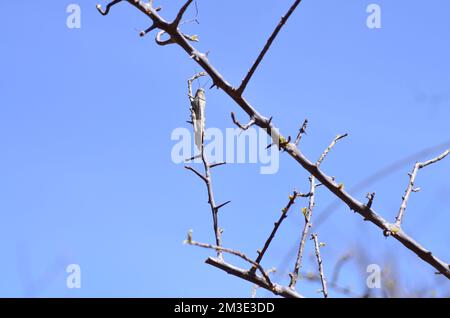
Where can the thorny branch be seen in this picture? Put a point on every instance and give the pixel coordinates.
(206, 178)
(277, 224)
(265, 123)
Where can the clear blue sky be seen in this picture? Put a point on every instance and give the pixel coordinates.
(86, 115)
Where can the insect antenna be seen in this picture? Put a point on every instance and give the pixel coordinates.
(206, 83)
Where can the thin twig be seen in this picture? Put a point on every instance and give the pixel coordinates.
(149, 29)
(370, 197)
(277, 224)
(319, 262)
(216, 164)
(333, 143)
(412, 179)
(269, 42)
(197, 173)
(301, 132)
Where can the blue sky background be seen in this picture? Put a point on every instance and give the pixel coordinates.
(86, 116)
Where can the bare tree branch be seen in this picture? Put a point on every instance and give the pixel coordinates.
(337, 189)
(217, 164)
(333, 143)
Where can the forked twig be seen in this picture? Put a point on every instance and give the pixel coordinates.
(412, 179)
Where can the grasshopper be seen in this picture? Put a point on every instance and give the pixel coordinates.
(197, 108)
